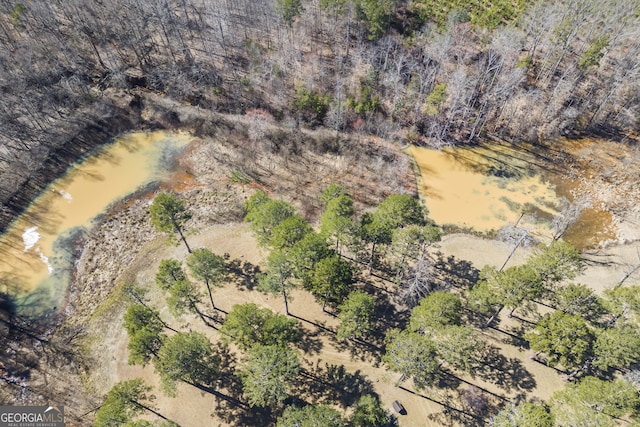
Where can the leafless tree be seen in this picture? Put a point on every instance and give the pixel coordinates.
(418, 280)
(569, 213)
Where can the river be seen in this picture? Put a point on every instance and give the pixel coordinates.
(36, 257)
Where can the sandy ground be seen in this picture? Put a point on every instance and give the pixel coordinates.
(511, 375)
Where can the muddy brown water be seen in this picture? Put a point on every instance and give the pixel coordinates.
(485, 188)
(35, 250)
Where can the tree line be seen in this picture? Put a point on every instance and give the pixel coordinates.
(425, 71)
(325, 263)
(586, 336)
(268, 341)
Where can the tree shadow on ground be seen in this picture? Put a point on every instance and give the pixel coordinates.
(332, 384)
(234, 411)
(477, 401)
(449, 380)
(208, 317)
(466, 403)
(523, 321)
(507, 373)
(450, 413)
(458, 273)
(475, 318)
(360, 349)
(310, 343)
(388, 315)
(514, 336)
(227, 390)
(244, 274)
(320, 326)
(542, 360)
(454, 417)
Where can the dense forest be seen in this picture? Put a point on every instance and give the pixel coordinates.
(423, 71)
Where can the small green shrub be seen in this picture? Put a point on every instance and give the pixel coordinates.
(526, 62)
(240, 177)
(18, 10)
(480, 13)
(594, 54)
(311, 106)
(435, 99)
(367, 100)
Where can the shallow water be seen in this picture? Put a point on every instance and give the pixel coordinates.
(35, 252)
(484, 189)
(488, 187)
(595, 224)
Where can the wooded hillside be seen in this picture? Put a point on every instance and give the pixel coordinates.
(425, 71)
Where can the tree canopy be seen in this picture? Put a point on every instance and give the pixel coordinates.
(169, 273)
(123, 402)
(617, 347)
(594, 402)
(144, 327)
(526, 414)
(267, 374)
(264, 215)
(563, 338)
(623, 302)
(459, 346)
(413, 356)
(310, 416)
(248, 325)
(208, 267)
(306, 253)
(375, 14)
(277, 278)
(557, 262)
(288, 232)
(511, 288)
(579, 300)
(356, 315)
(437, 317)
(169, 214)
(436, 310)
(289, 10)
(368, 412)
(184, 296)
(399, 210)
(186, 357)
(331, 280)
(333, 190)
(336, 220)
(407, 243)
(396, 211)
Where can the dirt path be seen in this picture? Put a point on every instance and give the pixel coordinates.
(196, 408)
(510, 375)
